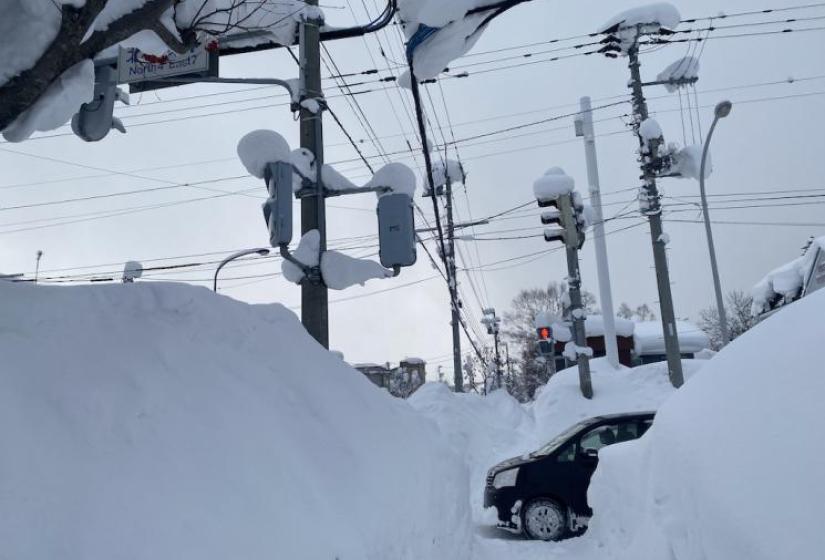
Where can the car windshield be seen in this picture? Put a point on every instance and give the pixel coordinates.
(557, 441)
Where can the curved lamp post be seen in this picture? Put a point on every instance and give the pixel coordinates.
(722, 110)
(238, 255)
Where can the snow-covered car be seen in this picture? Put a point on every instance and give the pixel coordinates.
(544, 494)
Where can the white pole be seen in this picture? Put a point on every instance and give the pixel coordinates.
(602, 265)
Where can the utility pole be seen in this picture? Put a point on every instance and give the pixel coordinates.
(574, 283)
(585, 129)
(458, 375)
(37, 266)
(652, 208)
(314, 294)
(493, 325)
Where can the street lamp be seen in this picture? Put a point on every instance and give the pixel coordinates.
(722, 110)
(238, 255)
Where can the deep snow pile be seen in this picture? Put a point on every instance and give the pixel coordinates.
(487, 430)
(153, 421)
(732, 467)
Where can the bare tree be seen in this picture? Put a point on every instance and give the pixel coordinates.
(642, 312)
(740, 319)
(193, 20)
(519, 326)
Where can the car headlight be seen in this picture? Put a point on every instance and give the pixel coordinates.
(505, 479)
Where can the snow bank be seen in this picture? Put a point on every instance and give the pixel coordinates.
(487, 430)
(161, 421)
(559, 404)
(483, 430)
(732, 467)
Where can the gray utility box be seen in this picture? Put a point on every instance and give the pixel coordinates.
(278, 207)
(396, 231)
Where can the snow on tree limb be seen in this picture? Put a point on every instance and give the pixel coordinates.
(40, 40)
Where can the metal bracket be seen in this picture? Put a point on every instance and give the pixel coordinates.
(284, 250)
(309, 190)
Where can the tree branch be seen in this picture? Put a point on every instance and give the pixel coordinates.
(68, 49)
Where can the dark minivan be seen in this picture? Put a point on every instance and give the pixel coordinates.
(544, 494)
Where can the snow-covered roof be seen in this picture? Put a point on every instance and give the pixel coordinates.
(594, 327)
(413, 361)
(368, 366)
(649, 338)
(787, 281)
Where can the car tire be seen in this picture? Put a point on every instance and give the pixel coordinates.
(544, 519)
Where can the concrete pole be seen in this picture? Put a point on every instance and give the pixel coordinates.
(577, 316)
(653, 210)
(602, 264)
(499, 382)
(458, 374)
(314, 294)
(714, 267)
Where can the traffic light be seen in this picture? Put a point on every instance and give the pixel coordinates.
(396, 231)
(96, 118)
(566, 213)
(278, 207)
(545, 340)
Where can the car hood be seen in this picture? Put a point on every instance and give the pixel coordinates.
(512, 463)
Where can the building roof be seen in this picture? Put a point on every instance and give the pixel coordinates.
(649, 338)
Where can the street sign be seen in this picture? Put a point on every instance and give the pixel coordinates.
(135, 65)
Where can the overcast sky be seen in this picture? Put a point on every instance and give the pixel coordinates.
(767, 145)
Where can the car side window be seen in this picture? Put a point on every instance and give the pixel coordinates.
(567, 454)
(644, 426)
(599, 437)
(627, 431)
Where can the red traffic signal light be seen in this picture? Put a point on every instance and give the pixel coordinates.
(545, 333)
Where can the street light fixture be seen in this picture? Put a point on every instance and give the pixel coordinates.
(238, 255)
(721, 111)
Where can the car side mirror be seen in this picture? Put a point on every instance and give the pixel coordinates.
(589, 454)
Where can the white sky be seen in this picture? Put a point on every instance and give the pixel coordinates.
(764, 146)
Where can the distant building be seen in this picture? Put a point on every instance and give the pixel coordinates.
(639, 343)
(649, 341)
(401, 381)
(594, 330)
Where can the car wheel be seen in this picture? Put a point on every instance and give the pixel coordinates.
(545, 520)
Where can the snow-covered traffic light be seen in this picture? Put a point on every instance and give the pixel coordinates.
(545, 340)
(278, 207)
(568, 218)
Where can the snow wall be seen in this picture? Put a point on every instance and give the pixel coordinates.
(152, 421)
